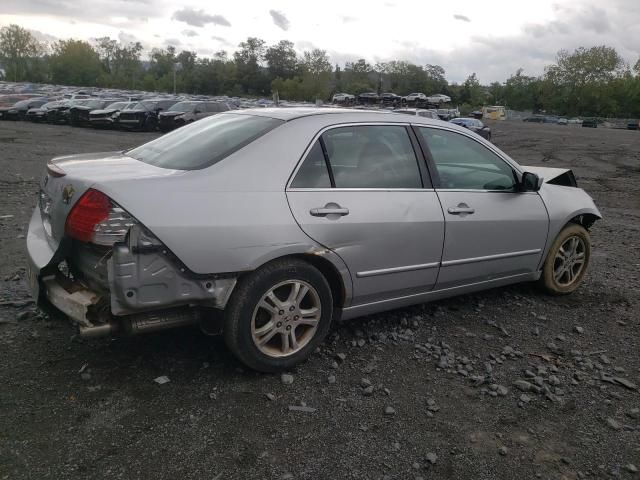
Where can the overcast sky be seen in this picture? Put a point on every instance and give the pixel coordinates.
(490, 37)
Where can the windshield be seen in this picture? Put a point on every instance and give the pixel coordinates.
(205, 142)
(183, 107)
(144, 105)
(117, 105)
(89, 103)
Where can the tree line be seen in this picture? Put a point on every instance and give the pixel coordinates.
(592, 81)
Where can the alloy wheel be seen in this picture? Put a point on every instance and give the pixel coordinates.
(569, 261)
(286, 318)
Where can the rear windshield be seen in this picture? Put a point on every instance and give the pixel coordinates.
(205, 142)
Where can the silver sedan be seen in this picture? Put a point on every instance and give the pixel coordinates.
(266, 225)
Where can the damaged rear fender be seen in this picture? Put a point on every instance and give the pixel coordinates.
(144, 275)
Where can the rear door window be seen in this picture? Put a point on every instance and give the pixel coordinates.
(313, 172)
(372, 156)
(367, 156)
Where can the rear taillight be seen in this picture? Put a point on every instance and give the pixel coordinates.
(95, 218)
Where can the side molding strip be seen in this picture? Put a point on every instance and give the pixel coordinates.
(408, 268)
(462, 261)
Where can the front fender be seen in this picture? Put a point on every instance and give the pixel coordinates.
(563, 205)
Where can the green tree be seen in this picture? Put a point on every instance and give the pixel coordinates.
(496, 91)
(520, 91)
(249, 66)
(472, 92)
(434, 79)
(282, 60)
(316, 75)
(578, 83)
(359, 77)
(75, 62)
(121, 63)
(18, 48)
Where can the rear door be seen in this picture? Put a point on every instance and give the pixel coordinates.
(491, 229)
(361, 191)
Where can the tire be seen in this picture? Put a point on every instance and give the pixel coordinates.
(149, 125)
(557, 280)
(247, 320)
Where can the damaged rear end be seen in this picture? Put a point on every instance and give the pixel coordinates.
(98, 264)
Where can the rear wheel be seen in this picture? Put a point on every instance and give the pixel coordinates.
(567, 260)
(278, 315)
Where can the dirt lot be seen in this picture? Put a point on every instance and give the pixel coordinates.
(72, 408)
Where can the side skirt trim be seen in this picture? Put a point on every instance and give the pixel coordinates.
(400, 302)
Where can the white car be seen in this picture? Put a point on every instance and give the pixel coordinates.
(343, 98)
(420, 112)
(415, 97)
(438, 98)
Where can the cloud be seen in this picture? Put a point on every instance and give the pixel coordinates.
(190, 33)
(462, 18)
(43, 37)
(125, 37)
(112, 12)
(222, 40)
(279, 19)
(199, 18)
(305, 45)
(172, 42)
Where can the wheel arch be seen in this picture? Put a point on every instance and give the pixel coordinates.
(585, 217)
(330, 266)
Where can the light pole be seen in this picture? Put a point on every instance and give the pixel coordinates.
(176, 66)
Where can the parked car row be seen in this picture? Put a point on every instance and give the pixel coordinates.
(472, 124)
(390, 98)
(83, 111)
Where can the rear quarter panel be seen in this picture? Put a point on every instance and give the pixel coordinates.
(230, 217)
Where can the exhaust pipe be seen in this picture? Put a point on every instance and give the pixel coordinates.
(143, 323)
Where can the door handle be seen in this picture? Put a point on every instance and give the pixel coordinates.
(323, 212)
(462, 208)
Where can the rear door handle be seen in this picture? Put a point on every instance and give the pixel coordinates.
(462, 208)
(323, 212)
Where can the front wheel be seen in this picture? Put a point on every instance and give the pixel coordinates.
(567, 260)
(278, 315)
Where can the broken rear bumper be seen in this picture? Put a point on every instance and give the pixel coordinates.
(39, 252)
(144, 287)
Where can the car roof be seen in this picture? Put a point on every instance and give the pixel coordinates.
(351, 115)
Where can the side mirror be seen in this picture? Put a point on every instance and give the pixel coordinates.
(197, 111)
(530, 182)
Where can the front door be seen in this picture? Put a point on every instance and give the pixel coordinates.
(361, 192)
(491, 229)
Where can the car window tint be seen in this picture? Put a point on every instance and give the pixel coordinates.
(204, 142)
(313, 172)
(379, 156)
(463, 163)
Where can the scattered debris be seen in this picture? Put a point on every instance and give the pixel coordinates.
(286, 379)
(161, 380)
(301, 408)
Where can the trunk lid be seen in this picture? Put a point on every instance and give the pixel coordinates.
(69, 177)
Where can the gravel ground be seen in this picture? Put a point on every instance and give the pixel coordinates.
(509, 383)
